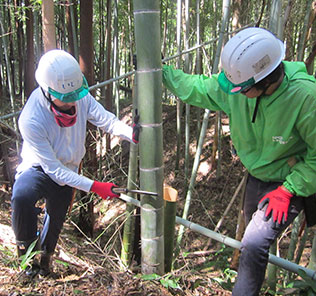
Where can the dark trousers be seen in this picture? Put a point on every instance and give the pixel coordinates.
(31, 186)
(258, 237)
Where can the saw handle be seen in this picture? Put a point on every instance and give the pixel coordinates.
(119, 190)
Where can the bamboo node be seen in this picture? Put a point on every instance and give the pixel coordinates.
(153, 70)
(151, 169)
(151, 124)
(151, 209)
(156, 238)
(146, 11)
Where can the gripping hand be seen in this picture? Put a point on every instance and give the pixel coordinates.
(278, 202)
(104, 189)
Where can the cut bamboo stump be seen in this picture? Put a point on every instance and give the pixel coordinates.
(170, 196)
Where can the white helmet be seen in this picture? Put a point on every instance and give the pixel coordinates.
(248, 57)
(59, 74)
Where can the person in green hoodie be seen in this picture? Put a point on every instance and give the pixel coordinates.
(271, 105)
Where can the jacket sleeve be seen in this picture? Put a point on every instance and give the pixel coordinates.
(197, 90)
(303, 173)
(37, 142)
(107, 121)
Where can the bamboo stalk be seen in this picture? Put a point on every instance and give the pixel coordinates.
(179, 102)
(149, 82)
(294, 238)
(240, 224)
(129, 225)
(128, 232)
(187, 106)
(198, 62)
(170, 196)
(275, 20)
(219, 224)
(303, 33)
(301, 245)
(272, 270)
(195, 167)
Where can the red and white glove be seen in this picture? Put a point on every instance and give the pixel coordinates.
(278, 204)
(104, 189)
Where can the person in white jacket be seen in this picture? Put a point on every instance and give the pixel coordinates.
(53, 126)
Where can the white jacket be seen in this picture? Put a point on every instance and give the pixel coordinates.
(59, 150)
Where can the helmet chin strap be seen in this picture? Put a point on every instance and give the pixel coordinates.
(254, 115)
(264, 93)
(47, 95)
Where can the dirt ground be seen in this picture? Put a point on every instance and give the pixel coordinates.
(92, 266)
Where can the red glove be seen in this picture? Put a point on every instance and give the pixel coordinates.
(104, 189)
(279, 201)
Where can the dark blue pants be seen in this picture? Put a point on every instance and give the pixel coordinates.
(31, 186)
(258, 237)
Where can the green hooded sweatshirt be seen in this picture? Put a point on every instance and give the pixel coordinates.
(281, 144)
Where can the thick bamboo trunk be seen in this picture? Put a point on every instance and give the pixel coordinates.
(149, 81)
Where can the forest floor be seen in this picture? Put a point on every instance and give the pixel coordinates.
(84, 266)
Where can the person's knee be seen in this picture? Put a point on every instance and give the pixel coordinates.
(20, 197)
(250, 244)
(24, 200)
(255, 246)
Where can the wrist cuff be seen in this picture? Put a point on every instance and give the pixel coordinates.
(287, 185)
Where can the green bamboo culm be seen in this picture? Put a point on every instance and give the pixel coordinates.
(272, 270)
(128, 232)
(129, 225)
(170, 204)
(149, 82)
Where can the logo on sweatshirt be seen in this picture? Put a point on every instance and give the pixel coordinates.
(280, 139)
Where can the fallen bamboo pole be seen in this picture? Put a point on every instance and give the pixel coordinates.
(285, 264)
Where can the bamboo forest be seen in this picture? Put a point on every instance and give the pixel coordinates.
(176, 225)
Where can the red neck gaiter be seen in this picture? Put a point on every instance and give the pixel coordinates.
(65, 119)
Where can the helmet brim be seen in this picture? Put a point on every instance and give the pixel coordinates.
(230, 88)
